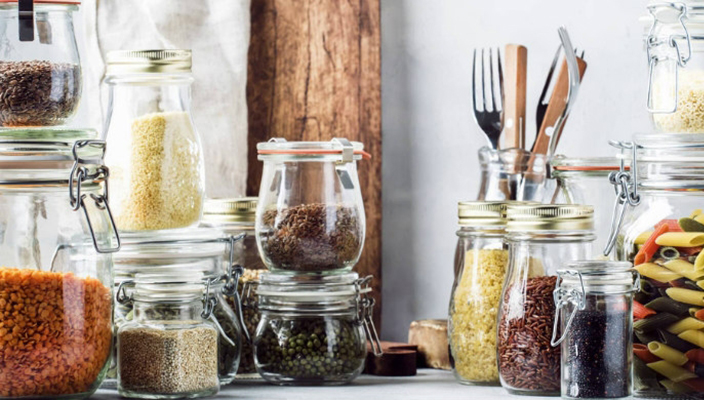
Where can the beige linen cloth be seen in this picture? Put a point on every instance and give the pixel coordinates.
(217, 31)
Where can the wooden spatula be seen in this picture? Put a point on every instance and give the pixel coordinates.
(516, 62)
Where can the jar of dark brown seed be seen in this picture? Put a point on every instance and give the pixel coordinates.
(310, 217)
(314, 330)
(40, 72)
(541, 238)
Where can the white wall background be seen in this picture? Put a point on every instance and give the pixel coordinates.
(431, 140)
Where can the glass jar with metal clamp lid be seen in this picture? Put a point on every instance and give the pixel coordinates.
(541, 238)
(310, 217)
(40, 71)
(594, 323)
(663, 236)
(314, 330)
(56, 240)
(674, 40)
(170, 348)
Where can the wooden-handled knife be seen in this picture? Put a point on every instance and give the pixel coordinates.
(516, 66)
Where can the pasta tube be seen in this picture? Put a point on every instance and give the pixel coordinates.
(685, 269)
(694, 337)
(667, 353)
(671, 371)
(642, 238)
(687, 296)
(686, 324)
(681, 239)
(660, 274)
(674, 387)
(699, 261)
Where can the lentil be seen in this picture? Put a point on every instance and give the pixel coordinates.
(312, 237)
(38, 93)
(173, 361)
(526, 358)
(55, 333)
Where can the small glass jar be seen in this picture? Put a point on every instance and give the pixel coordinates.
(674, 41)
(40, 71)
(541, 238)
(587, 181)
(481, 261)
(170, 349)
(313, 331)
(512, 174)
(310, 217)
(56, 238)
(155, 158)
(594, 322)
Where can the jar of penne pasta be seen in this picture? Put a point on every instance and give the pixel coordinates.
(662, 233)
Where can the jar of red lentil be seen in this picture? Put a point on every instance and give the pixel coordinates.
(540, 238)
(57, 237)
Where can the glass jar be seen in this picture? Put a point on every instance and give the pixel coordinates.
(594, 322)
(40, 71)
(481, 261)
(310, 217)
(668, 182)
(155, 156)
(541, 238)
(314, 330)
(674, 42)
(587, 181)
(170, 349)
(56, 238)
(512, 174)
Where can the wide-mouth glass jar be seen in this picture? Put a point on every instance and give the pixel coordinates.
(56, 237)
(481, 262)
(40, 71)
(663, 236)
(674, 41)
(541, 238)
(310, 217)
(314, 331)
(155, 158)
(594, 327)
(170, 348)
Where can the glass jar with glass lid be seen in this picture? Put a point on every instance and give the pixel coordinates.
(56, 236)
(170, 349)
(314, 330)
(674, 41)
(541, 238)
(310, 217)
(40, 72)
(155, 157)
(663, 236)
(594, 327)
(235, 217)
(481, 261)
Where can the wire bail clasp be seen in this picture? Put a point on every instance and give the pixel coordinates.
(564, 297)
(625, 184)
(365, 307)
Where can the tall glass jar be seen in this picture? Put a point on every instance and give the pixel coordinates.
(310, 217)
(170, 349)
(512, 175)
(541, 238)
(155, 156)
(481, 261)
(40, 71)
(594, 323)
(236, 217)
(314, 330)
(56, 237)
(669, 187)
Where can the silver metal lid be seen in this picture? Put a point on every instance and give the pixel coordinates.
(148, 61)
(230, 210)
(551, 217)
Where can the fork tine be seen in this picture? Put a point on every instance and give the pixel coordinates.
(474, 80)
(484, 99)
(491, 80)
(582, 56)
(501, 80)
(548, 80)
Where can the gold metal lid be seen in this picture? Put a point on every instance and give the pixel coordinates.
(148, 61)
(230, 210)
(481, 213)
(549, 217)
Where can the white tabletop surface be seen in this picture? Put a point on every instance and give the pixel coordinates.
(428, 384)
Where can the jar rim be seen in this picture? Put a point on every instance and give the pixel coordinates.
(335, 149)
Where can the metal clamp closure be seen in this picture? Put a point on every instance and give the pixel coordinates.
(365, 307)
(81, 173)
(563, 297)
(234, 274)
(626, 188)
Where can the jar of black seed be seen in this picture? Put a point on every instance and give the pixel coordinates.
(594, 327)
(313, 330)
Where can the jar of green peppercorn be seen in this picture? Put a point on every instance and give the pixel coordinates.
(313, 330)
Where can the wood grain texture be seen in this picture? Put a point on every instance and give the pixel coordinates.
(314, 73)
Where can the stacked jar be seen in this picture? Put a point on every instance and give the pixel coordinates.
(310, 224)
(58, 235)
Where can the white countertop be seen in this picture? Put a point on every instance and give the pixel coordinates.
(428, 384)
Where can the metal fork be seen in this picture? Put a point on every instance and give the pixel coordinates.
(489, 115)
(544, 96)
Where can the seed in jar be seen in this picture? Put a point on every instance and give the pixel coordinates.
(38, 93)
